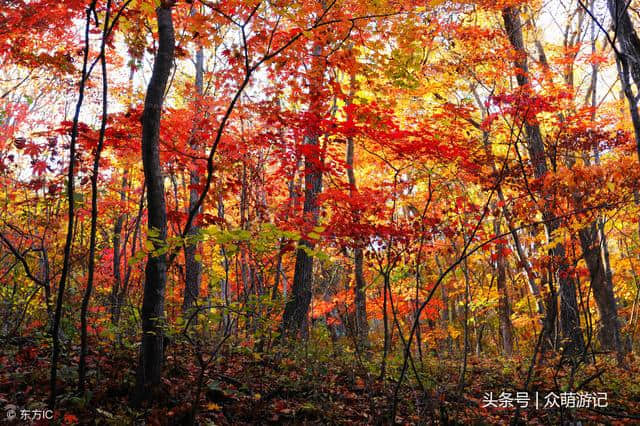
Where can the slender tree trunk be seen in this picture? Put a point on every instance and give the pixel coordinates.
(360, 300)
(152, 313)
(386, 348)
(293, 196)
(465, 323)
(118, 284)
(64, 275)
(122, 294)
(628, 62)
(524, 260)
(445, 317)
(224, 282)
(504, 308)
(46, 281)
(569, 317)
(626, 36)
(360, 297)
(193, 268)
(296, 309)
(82, 364)
(593, 242)
(117, 273)
(602, 286)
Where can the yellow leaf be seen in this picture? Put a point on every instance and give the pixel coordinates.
(453, 332)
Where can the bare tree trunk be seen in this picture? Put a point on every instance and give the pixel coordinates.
(117, 274)
(569, 317)
(504, 308)
(118, 284)
(626, 35)
(524, 260)
(82, 364)
(627, 61)
(296, 308)
(602, 286)
(122, 293)
(64, 275)
(193, 268)
(445, 318)
(360, 299)
(152, 313)
(46, 280)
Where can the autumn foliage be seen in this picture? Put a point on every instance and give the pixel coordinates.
(347, 211)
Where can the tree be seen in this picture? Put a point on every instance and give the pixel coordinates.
(152, 313)
(193, 268)
(628, 57)
(569, 317)
(71, 211)
(360, 296)
(295, 312)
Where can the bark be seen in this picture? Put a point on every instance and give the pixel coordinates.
(117, 274)
(152, 313)
(604, 248)
(627, 60)
(569, 316)
(46, 280)
(524, 260)
(594, 244)
(82, 365)
(193, 268)
(291, 186)
(224, 282)
(64, 275)
(504, 308)
(360, 297)
(592, 238)
(122, 294)
(446, 317)
(602, 286)
(296, 308)
(360, 300)
(118, 284)
(626, 35)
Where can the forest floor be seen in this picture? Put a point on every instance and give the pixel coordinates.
(311, 387)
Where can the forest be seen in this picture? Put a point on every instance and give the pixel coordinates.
(349, 212)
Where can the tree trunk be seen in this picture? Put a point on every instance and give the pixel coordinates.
(627, 61)
(569, 317)
(296, 308)
(193, 268)
(118, 284)
(117, 274)
(360, 297)
(626, 36)
(524, 260)
(71, 223)
(152, 313)
(504, 308)
(602, 286)
(84, 338)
